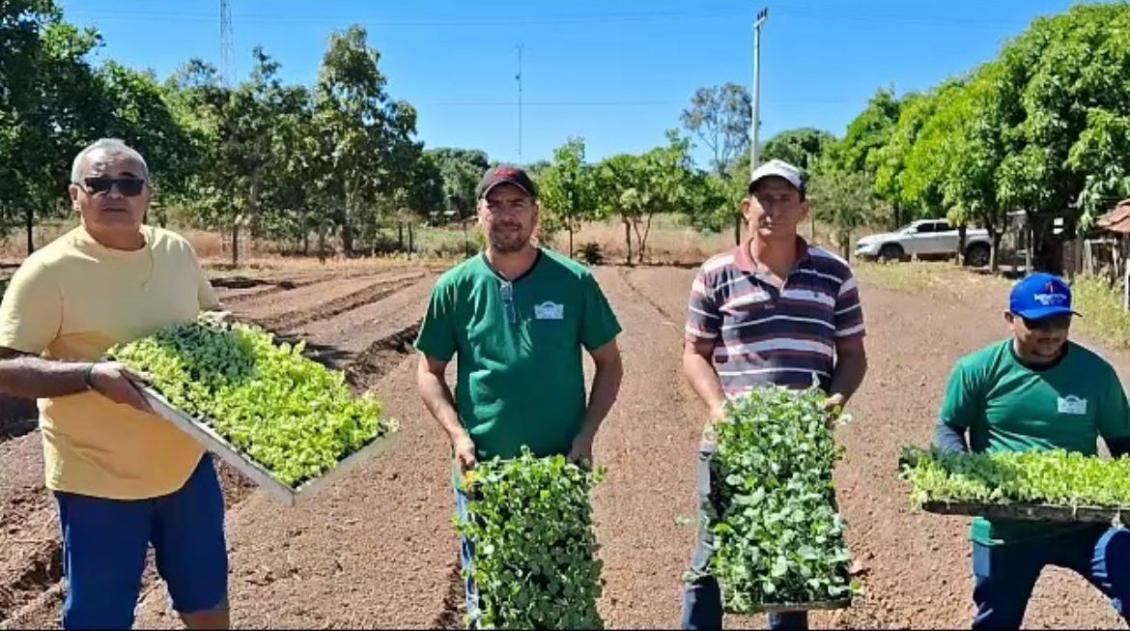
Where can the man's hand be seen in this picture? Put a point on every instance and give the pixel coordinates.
(119, 384)
(718, 413)
(709, 434)
(465, 452)
(581, 453)
(833, 406)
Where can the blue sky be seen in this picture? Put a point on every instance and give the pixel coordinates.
(616, 73)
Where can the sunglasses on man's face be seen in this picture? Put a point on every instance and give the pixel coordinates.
(1054, 323)
(127, 186)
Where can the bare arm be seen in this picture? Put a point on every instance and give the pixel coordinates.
(30, 377)
(432, 384)
(698, 367)
(605, 389)
(851, 366)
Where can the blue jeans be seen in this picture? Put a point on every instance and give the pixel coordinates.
(466, 560)
(105, 543)
(1005, 574)
(702, 599)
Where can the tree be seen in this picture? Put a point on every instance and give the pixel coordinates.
(238, 130)
(46, 90)
(461, 170)
(894, 182)
(845, 200)
(133, 106)
(359, 128)
(720, 117)
(867, 133)
(568, 196)
(800, 147)
(635, 188)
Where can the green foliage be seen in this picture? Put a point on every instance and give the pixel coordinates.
(1055, 478)
(802, 147)
(48, 98)
(845, 200)
(779, 538)
(915, 189)
(461, 170)
(720, 116)
(636, 187)
(530, 520)
(568, 191)
(867, 133)
(279, 160)
(286, 412)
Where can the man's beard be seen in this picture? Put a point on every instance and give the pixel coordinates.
(507, 242)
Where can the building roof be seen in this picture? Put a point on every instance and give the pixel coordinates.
(1118, 219)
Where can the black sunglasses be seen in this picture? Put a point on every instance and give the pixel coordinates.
(1053, 323)
(127, 186)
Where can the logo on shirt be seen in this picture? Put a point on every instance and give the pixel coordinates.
(549, 310)
(1073, 405)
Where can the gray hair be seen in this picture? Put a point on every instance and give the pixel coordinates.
(109, 145)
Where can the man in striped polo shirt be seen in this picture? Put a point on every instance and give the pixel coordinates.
(774, 311)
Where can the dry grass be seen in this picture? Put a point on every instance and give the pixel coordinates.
(665, 243)
(935, 278)
(1103, 314)
(671, 241)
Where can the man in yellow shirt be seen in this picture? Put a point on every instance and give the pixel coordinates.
(123, 477)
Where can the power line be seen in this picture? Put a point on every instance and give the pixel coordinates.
(274, 19)
(525, 104)
(821, 16)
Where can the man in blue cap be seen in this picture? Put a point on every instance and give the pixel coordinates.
(1038, 391)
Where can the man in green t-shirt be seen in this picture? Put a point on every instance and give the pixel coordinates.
(1038, 391)
(517, 316)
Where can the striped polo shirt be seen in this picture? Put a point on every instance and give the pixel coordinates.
(765, 335)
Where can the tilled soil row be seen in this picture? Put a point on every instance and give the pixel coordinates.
(329, 308)
(29, 530)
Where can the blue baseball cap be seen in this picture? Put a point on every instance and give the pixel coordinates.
(1040, 296)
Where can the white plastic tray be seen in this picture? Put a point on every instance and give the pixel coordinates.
(216, 444)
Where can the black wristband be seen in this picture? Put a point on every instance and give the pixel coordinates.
(87, 377)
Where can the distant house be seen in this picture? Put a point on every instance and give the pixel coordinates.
(1107, 255)
(1117, 221)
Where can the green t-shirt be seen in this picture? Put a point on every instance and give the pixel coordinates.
(521, 377)
(1008, 406)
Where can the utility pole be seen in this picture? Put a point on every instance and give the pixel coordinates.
(518, 77)
(754, 149)
(755, 119)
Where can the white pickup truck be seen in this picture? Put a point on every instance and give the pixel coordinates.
(926, 238)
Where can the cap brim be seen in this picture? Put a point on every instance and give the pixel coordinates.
(1040, 313)
(764, 176)
(495, 185)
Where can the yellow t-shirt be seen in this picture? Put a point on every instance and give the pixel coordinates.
(73, 300)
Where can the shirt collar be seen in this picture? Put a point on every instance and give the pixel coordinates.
(744, 261)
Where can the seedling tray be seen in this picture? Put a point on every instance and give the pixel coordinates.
(218, 445)
(1032, 512)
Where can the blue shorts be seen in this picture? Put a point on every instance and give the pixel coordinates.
(105, 543)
